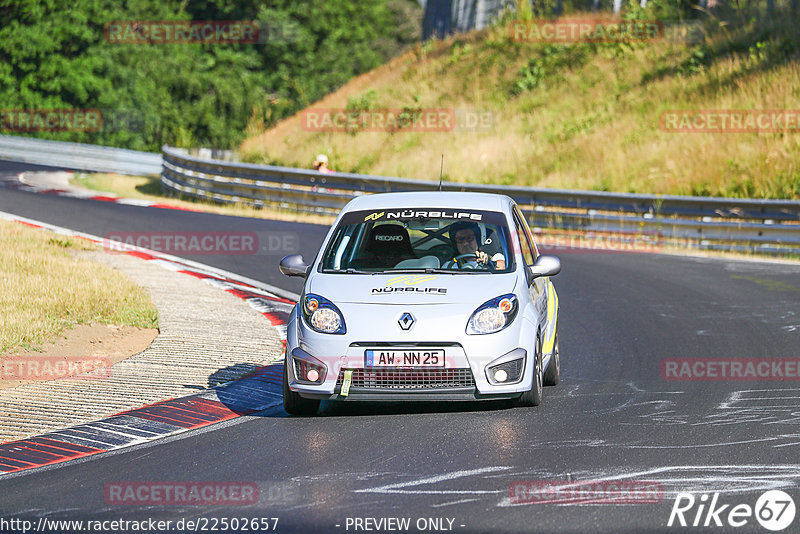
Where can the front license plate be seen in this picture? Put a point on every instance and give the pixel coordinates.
(404, 358)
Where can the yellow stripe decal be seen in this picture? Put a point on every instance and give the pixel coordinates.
(410, 280)
(552, 316)
(348, 378)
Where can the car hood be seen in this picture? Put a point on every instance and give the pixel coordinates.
(459, 288)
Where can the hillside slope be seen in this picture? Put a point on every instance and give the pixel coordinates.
(585, 115)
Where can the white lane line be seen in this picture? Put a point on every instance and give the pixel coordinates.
(709, 445)
(396, 488)
(462, 501)
(727, 479)
(135, 202)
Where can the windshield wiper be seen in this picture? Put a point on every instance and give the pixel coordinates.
(349, 270)
(426, 270)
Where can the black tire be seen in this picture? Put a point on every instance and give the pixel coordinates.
(293, 403)
(553, 373)
(533, 397)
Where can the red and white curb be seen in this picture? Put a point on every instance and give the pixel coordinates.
(18, 183)
(254, 392)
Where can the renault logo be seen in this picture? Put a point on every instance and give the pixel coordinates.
(406, 321)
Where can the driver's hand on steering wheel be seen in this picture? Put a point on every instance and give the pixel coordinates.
(482, 256)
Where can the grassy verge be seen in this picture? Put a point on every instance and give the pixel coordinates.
(46, 288)
(149, 188)
(578, 116)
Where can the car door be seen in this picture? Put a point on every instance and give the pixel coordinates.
(537, 287)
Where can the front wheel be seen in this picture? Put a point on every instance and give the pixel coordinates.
(533, 397)
(553, 373)
(293, 403)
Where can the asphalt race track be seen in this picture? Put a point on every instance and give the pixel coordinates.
(612, 418)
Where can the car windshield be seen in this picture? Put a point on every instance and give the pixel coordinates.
(420, 239)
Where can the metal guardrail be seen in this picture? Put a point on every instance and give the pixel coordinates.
(79, 156)
(769, 226)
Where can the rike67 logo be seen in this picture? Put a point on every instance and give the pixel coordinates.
(774, 510)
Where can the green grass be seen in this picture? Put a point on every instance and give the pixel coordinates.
(46, 288)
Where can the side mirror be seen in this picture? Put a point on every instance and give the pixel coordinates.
(545, 266)
(293, 265)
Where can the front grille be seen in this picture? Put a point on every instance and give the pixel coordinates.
(409, 379)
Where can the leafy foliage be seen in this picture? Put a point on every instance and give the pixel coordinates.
(546, 64)
(54, 55)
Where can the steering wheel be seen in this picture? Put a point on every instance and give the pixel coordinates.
(462, 259)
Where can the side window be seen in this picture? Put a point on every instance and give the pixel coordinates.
(529, 234)
(527, 252)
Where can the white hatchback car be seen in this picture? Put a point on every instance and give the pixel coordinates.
(433, 296)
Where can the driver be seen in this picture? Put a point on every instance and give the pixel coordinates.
(465, 235)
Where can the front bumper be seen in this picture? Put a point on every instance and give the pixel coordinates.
(406, 385)
(463, 376)
(347, 378)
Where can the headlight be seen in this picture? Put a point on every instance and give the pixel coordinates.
(494, 315)
(322, 315)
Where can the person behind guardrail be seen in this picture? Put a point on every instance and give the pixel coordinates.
(321, 164)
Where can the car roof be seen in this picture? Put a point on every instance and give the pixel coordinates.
(431, 199)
